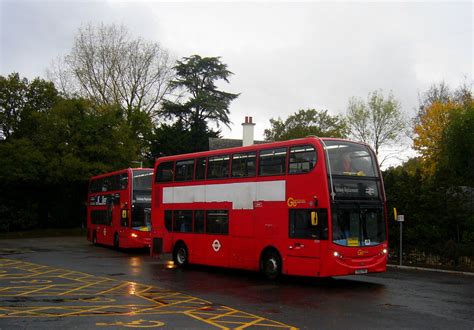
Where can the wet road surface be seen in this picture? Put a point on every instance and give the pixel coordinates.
(67, 282)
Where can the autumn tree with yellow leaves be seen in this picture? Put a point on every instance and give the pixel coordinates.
(430, 131)
(432, 127)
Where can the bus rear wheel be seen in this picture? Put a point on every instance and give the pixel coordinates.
(180, 255)
(271, 265)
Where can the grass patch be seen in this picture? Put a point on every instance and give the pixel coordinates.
(57, 232)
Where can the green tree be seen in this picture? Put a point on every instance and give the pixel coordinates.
(175, 139)
(201, 101)
(49, 168)
(433, 127)
(19, 100)
(378, 122)
(304, 123)
(457, 147)
(197, 77)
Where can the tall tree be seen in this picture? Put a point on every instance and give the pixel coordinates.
(378, 122)
(201, 101)
(304, 123)
(110, 67)
(197, 77)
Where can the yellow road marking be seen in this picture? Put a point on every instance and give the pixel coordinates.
(83, 287)
(37, 290)
(99, 292)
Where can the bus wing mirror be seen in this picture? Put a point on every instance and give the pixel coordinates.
(314, 218)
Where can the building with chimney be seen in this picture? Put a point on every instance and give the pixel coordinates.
(247, 138)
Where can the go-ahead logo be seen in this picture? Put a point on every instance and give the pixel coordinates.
(291, 202)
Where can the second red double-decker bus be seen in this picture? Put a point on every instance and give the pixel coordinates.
(118, 208)
(311, 207)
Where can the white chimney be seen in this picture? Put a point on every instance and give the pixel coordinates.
(247, 139)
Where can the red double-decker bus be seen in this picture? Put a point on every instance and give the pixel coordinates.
(311, 207)
(118, 208)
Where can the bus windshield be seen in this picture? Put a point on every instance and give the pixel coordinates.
(142, 181)
(354, 225)
(346, 158)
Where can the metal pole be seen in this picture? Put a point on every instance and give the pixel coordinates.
(401, 243)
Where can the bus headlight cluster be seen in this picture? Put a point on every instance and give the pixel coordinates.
(134, 235)
(383, 252)
(337, 254)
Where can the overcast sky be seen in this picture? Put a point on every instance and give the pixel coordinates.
(284, 56)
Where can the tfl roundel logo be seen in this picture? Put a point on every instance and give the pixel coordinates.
(216, 245)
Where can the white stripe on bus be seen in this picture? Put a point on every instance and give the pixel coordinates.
(242, 195)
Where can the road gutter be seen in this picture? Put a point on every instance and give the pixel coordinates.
(431, 270)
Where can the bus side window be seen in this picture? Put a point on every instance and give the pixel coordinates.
(272, 162)
(199, 221)
(218, 167)
(243, 165)
(302, 159)
(200, 169)
(164, 172)
(184, 170)
(183, 221)
(123, 181)
(217, 222)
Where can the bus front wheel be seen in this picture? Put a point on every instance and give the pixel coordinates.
(271, 265)
(94, 238)
(180, 255)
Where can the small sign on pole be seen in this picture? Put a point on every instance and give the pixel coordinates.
(400, 218)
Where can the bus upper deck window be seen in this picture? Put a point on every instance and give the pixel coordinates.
(164, 172)
(302, 159)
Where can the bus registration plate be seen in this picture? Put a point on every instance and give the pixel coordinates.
(361, 271)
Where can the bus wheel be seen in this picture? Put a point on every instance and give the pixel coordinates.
(116, 242)
(94, 238)
(271, 265)
(180, 255)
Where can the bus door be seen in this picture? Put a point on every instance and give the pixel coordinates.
(307, 228)
(124, 220)
(216, 242)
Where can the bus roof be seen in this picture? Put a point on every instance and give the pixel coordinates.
(254, 147)
(104, 175)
